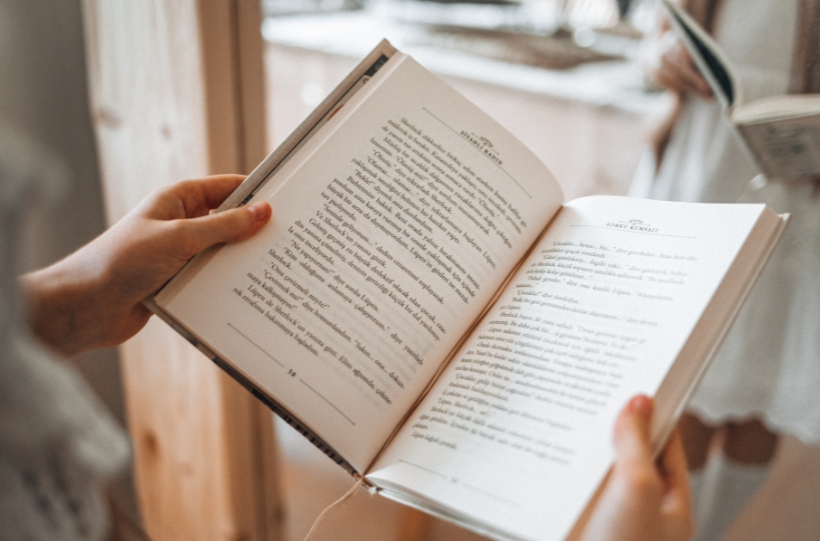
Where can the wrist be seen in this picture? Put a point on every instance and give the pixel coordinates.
(62, 305)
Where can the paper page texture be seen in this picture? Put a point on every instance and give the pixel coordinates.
(786, 149)
(517, 431)
(390, 232)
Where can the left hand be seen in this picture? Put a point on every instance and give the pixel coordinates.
(676, 71)
(93, 297)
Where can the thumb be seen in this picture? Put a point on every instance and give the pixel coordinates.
(229, 225)
(632, 441)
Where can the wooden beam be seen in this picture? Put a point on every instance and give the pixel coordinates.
(177, 92)
(231, 36)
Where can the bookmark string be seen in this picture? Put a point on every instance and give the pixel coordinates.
(347, 495)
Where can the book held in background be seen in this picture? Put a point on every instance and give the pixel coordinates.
(780, 133)
(429, 311)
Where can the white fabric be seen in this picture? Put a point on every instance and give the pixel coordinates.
(56, 442)
(769, 366)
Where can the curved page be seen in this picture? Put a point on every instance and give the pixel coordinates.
(516, 434)
(393, 228)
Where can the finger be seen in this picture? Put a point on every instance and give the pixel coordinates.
(668, 75)
(665, 78)
(217, 188)
(189, 198)
(673, 460)
(200, 196)
(676, 475)
(632, 443)
(686, 75)
(676, 502)
(234, 224)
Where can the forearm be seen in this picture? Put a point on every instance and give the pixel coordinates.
(58, 306)
(64, 304)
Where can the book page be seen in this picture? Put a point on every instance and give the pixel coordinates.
(516, 434)
(777, 107)
(786, 149)
(391, 231)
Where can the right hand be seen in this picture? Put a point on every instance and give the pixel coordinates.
(675, 70)
(644, 499)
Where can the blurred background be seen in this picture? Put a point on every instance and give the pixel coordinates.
(564, 76)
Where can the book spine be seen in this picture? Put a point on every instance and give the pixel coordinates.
(366, 69)
(283, 413)
(266, 399)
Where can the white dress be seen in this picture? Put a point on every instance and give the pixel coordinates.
(769, 366)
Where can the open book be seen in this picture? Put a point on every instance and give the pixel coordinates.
(780, 133)
(426, 308)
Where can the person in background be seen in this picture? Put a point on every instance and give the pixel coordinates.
(57, 445)
(765, 378)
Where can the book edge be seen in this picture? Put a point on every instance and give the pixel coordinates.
(684, 25)
(443, 513)
(255, 390)
(306, 129)
(661, 429)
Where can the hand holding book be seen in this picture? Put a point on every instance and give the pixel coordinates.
(676, 72)
(93, 298)
(642, 498)
(670, 65)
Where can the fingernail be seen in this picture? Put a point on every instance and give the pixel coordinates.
(641, 404)
(258, 210)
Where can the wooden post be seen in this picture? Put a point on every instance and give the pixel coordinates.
(177, 92)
